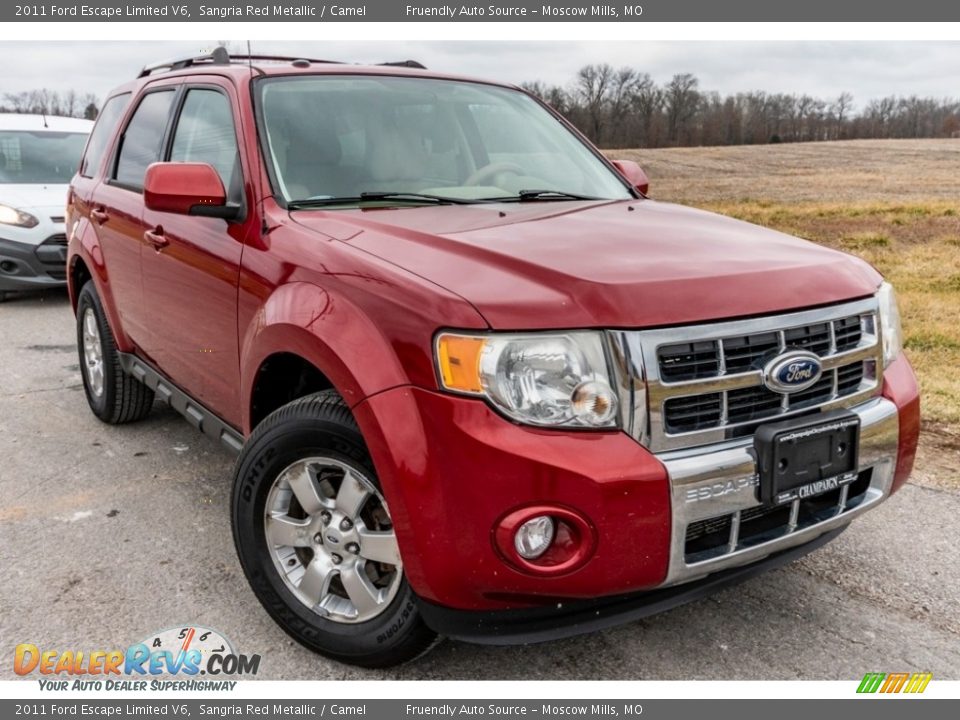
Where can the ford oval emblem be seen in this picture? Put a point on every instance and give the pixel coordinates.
(792, 372)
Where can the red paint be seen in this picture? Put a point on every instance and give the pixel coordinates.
(180, 187)
(451, 466)
(634, 174)
(360, 294)
(574, 264)
(900, 386)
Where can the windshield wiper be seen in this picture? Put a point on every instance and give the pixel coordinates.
(412, 197)
(531, 195)
(527, 195)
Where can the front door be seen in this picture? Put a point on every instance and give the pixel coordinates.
(191, 264)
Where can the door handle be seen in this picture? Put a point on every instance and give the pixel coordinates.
(99, 216)
(156, 238)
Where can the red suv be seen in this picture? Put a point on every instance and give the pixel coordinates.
(480, 385)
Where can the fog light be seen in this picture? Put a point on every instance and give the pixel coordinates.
(534, 537)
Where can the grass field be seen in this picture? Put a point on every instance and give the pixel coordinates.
(894, 203)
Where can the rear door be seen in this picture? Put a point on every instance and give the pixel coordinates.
(190, 280)
(82, 198)
(116, 208)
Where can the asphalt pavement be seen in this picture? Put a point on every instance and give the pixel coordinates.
(110, 533)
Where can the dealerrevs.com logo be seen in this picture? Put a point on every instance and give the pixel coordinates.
(187, 652)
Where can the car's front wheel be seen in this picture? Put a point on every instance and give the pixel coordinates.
(316, 539)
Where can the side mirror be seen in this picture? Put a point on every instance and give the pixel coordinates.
(186, 189)
(634, 175)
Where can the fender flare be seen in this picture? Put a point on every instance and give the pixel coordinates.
(326, 330)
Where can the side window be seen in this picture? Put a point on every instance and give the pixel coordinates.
(102, 132)
(142, 140)
(205, 134)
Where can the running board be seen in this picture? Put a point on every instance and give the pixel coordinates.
(196, 414)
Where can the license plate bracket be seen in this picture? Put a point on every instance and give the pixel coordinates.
(808, 456)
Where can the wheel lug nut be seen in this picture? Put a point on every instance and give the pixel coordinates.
(353, 548)
(346, 524)
(325, 517)
(318, 539)
(336, 559)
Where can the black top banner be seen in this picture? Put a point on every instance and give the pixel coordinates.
(503, 11)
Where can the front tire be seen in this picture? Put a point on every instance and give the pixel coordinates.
(113, 396)
(316, 541)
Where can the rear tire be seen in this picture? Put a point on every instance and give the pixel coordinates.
(113, 396)
(315, 538)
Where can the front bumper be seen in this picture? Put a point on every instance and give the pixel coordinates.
(556, 622)
(29, 266)
(718, 522)
(452, 468)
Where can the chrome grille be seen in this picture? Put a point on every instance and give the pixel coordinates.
(742, 353)
(713, 537)
(698, 412)
(704, 384)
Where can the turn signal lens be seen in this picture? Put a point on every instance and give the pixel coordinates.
(459, 359)
(890, 328)
(594, 403)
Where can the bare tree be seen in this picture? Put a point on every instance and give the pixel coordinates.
(592, 85)
(841, 106)
(681, 99)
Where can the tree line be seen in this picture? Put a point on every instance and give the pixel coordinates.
(623, 107)
(50, 102)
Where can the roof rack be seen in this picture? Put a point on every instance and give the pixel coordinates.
(220, 56)
(406, 64)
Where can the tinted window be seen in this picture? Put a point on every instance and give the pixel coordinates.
(102, 132)
(141, 144)
(205, 134)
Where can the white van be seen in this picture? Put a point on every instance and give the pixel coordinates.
(38, 156)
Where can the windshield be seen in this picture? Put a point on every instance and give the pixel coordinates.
(39, 157)
(363, 138)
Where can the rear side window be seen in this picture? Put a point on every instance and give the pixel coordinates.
(102, 132)
(205, 134)
(142, 141)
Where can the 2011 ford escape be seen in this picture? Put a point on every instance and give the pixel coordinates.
(479, 384)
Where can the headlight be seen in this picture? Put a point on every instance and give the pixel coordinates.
(548, 380)
(890, 329)
(12, 216)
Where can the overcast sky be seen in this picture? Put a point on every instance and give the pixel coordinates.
(825, 69)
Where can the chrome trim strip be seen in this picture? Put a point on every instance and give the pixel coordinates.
(721, 480)
(734, 532)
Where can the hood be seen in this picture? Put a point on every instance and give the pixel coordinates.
(626, 264)
(52, 198)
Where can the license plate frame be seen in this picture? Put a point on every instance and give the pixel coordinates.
(808, 456)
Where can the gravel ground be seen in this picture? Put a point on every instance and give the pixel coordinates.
(109, 533)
